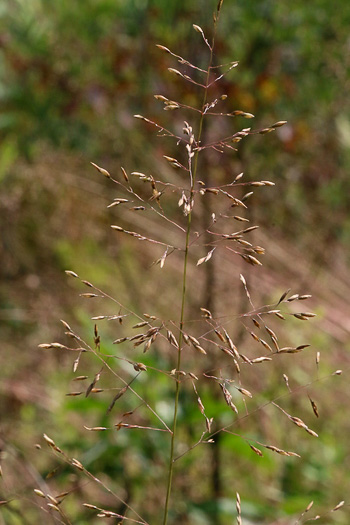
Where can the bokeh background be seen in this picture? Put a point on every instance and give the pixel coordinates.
(73, 74)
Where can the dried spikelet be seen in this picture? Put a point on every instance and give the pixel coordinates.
(171, 106)
(206, 313)
(72, 274)
(87, 284)
(147, 345)
(239, 113)
(309, 506)
(175, 72)
(246, 196)
(186, 338)
(293, 298)
(228, 398)
(74, 394)
(140, 325)
(206, 258)
(120, 340)
(256, 450)
(260, 359)
(125, 175)
(53, 507)
(77, 464)
(337, 507)
(95, 429)
(193, 340)
(49, 441)
(148, 316)
(162, 259)
(256, 183)
(39, 493)
(226, 350)
(238, 370)
(238, 508)
(314, 407)
(92, 385)
(101, 170)
(173, 162)
(288, 350)
(163, 48)
(242, 219)
(140, 367)
(161, 98)
(337, 373)
(197, 28)
(76, 364)
(118, 396)
(281, 452)
(301, 317)
(244, 391)
(254, 336)
(311, 432)
(208, 423)
(200, 404)
(318, 357)
(279, 124)
(251, 260)
(246, 230)
(89, 506)
(219, 334)
(270, 332)
(52, 499)
(172, 339)
(257, 324)
(259, 250)
(231, 344)
(266, 130)
(280, 316)
(141, 117)
(62, 495)
(59, 346)
(66, 325)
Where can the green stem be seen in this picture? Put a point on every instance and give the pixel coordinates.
(183, 300)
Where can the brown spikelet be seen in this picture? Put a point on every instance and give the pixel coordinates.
(101, 170)
(228, 398)
(256, 450)
(314, 407)
(238, 508)
(339, 506)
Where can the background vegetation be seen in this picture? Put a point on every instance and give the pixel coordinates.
(72, 76)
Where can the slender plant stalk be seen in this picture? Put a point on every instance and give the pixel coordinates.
(183, 300)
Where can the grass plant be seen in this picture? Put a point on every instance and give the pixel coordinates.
(186, 348)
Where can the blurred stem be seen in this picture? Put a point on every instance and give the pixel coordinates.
(183, 301)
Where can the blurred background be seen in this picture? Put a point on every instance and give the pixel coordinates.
(73, 74)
